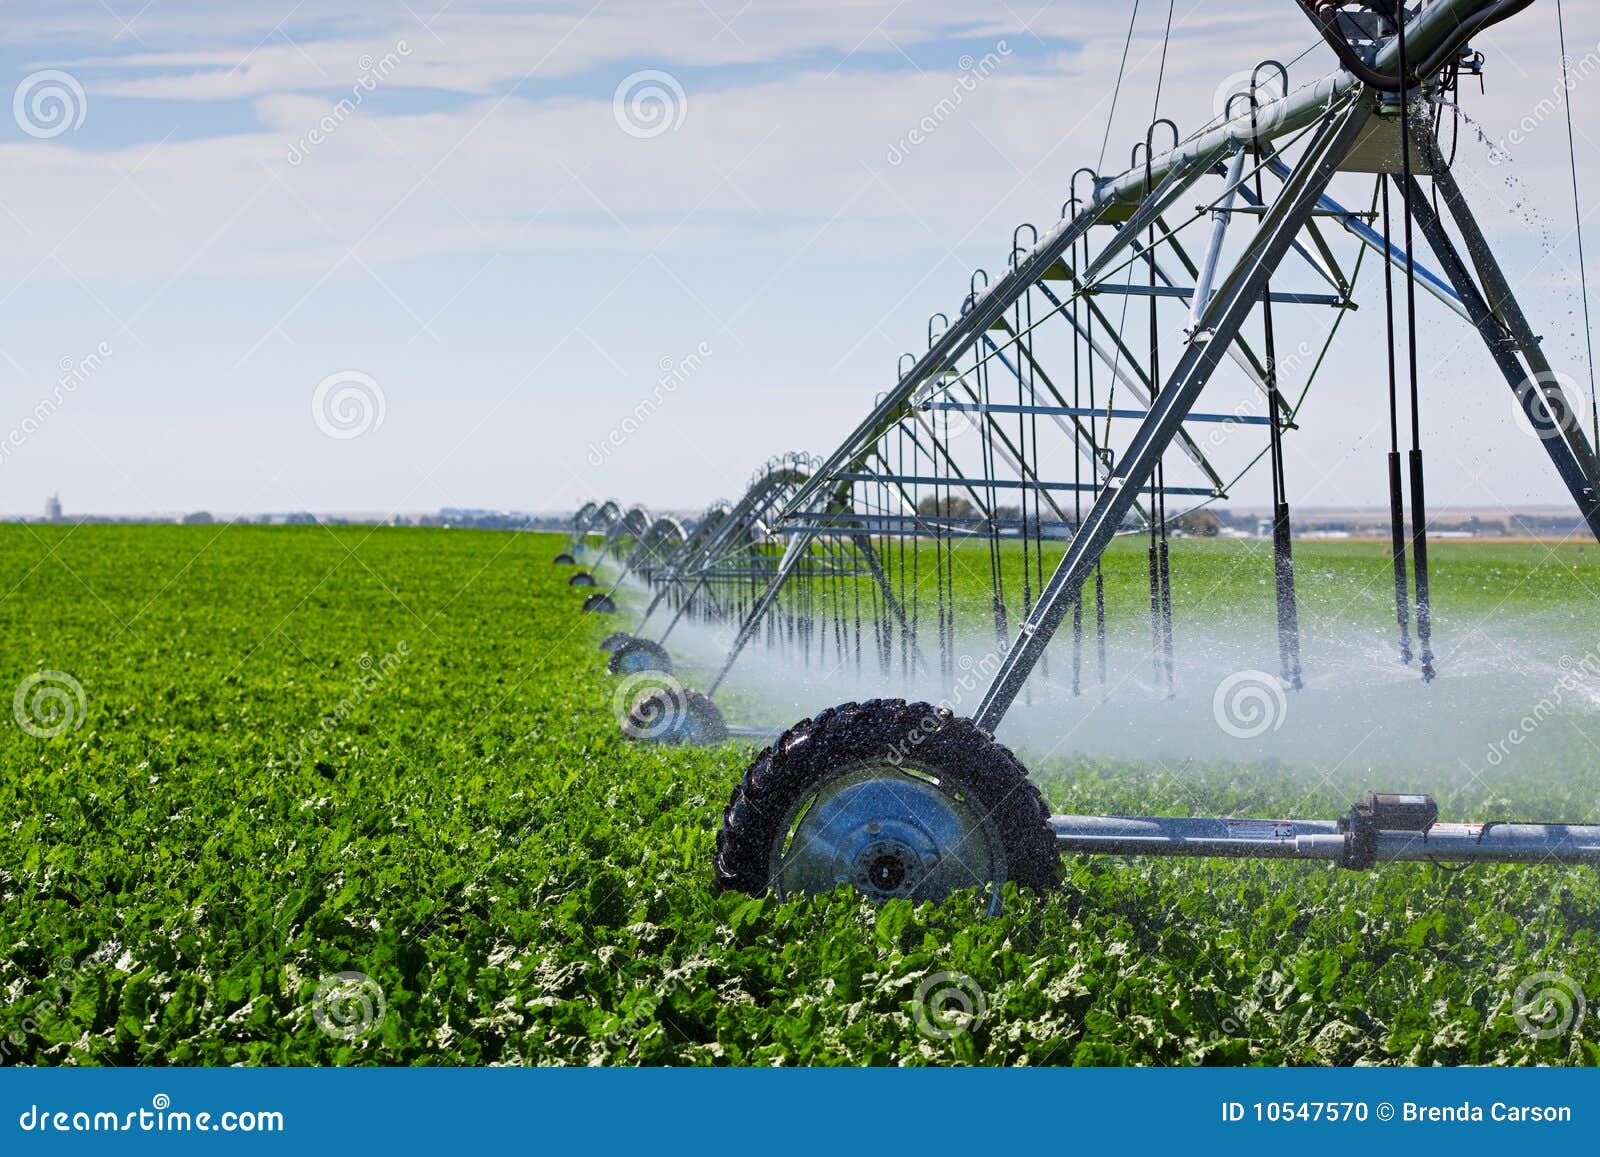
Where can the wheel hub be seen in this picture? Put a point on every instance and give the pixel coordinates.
(890, 834)
(887, 870)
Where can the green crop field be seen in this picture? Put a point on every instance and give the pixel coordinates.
(285, 753)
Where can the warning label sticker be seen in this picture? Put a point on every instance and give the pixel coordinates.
(1472, 831)
(1261, 829)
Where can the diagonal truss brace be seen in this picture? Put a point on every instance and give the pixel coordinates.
(1235, 298)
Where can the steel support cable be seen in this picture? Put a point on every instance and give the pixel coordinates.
(1111, 116)
(1419, 515)
(1577, 221)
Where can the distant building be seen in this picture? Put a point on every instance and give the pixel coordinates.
(52, 508)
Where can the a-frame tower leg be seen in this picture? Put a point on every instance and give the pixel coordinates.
(1505, 331)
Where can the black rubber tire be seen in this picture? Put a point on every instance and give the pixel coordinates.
(639, 655)
(615, 639)
(956, 750)
(582, 579)
(601, 604)
(565, 559)
(699, 723)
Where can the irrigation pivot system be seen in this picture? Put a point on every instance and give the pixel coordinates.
(1058, 408)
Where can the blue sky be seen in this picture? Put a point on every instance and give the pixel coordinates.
(484, 243)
